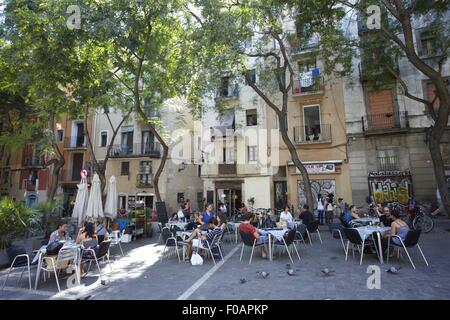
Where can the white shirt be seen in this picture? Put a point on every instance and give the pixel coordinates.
(286, 216)
(180, 214)
(319, 205)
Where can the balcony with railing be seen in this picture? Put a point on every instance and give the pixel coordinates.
(313, 85)
(75, 142)
(310, 135)
(144, 180)
(30, 161)
(385, 122)
(227, 168)
(135, 150)
(70, 176)
(387, 163)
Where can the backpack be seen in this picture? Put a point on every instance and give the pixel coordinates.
(53, 248)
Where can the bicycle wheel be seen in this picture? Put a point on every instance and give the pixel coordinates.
(424, 223)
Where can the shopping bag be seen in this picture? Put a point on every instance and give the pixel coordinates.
(196, 259)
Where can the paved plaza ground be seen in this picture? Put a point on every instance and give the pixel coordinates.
(140, 275)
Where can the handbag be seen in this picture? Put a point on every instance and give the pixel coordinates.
(196, 259)
(53, 248)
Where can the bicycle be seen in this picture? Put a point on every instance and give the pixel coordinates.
(419, 220)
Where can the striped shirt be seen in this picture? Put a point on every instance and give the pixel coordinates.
(210, 236)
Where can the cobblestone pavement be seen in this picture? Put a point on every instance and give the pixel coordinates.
(140, 275)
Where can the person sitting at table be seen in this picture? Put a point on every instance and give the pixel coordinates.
(101, 231)
(398, 228)
(60, 233)
(385, 217)
(306, 216)
(243, 210)
(286, 215)
(346, 216)
(187, 209)
(88, 239)
(206, 215)
(247, 227)
(354, 212)
(174, 218)
(180, 214)
(216, 226)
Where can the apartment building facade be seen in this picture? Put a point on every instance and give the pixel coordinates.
(244, 155)
(387, 132)
(135, 156)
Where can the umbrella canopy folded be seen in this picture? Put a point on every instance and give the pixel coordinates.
(81, 201)
(111, 199)
(95, 208)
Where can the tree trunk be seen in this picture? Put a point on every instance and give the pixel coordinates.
(439, 170)
(159, 171)
(294, 156)
(55, 178)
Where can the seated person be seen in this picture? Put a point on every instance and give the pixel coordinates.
(195, 221)
(174, 218)
(385, 217)
(206, 215)
(346, 216)
(216, 228)
(101, 231)
(286, 215)
(398, 228)
(87, 238)
(60, 233)
(246, 227)
(306, 216)
(354, 212)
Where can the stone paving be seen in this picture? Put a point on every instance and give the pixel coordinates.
(140, 275)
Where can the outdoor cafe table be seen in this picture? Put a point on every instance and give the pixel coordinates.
(180, 225)
(273, 233)
(367, 231)
(367, 220)
(40, 257)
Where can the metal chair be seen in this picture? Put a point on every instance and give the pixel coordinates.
(354, 238)
(170, 242)
(100, 252)
(116, 240)
(67, 256)
(411, 240)
(336, 230)
(312, 228)
(160, 232)
(287, 243)
(247, 241)
(20, 259)
(215, 243)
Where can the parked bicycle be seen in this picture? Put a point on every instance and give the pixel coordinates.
(415, 215)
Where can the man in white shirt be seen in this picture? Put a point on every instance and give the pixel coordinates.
(286, 215)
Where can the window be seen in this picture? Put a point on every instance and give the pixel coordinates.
(199, 171)
(125, 168)
(225, 87)
(103, 138)
(252, 74)
(123, 202)
(127, 140)
(252, 117)
(251, 151)
(5, 178)
(180, 197)
(228, 155)
(428, 44)
(311, 117)
(60, 135)
(145, 173)
(387, 160)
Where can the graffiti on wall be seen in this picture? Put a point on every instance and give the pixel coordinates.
(323, 187)
(387, 186)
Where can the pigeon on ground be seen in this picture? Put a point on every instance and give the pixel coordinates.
(291, 272)
(327, 272)
(393, 270)
(243, 280)
(263, 274)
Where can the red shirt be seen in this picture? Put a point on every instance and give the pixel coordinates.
(248, 228)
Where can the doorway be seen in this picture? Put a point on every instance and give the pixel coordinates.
(232, 198)
(280, 194)
(77, 166)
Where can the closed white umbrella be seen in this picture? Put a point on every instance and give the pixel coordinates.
(79, 209)
(111, 199)
(95, 207)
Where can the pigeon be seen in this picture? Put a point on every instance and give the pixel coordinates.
(393, 270)
(263, 274)
(243, 280)
(327, 272)
(291, 272)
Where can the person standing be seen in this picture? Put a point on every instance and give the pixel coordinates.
(187, 209)
(342, 206)
(320, 209)
(330, 212)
